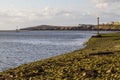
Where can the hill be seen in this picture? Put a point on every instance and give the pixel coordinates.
(51, 27)
(104, 27)
(111, 26)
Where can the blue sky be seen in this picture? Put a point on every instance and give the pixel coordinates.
(26, 13)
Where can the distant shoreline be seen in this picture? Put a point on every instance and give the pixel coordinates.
(54, 30)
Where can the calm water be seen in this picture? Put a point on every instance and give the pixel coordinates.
(17, 48)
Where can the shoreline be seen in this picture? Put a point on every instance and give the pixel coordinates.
(109, 30)
(57, 47)
(98, 60)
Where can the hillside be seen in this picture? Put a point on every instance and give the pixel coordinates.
(106, 27)
(114, 26)
(109, 27)
(50, 27)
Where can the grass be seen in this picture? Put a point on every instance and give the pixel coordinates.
(99, 60)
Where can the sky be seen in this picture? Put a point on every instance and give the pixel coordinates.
(27, 13)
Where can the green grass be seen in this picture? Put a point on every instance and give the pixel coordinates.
(99, 60)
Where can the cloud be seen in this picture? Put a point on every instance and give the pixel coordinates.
(22, 15)
(48, 15)
(12, 17)
(49, 12)
(105, 4)
(102, 5)
(15, 15)
(107, 9)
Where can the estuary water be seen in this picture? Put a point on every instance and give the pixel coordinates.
(18, 48)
